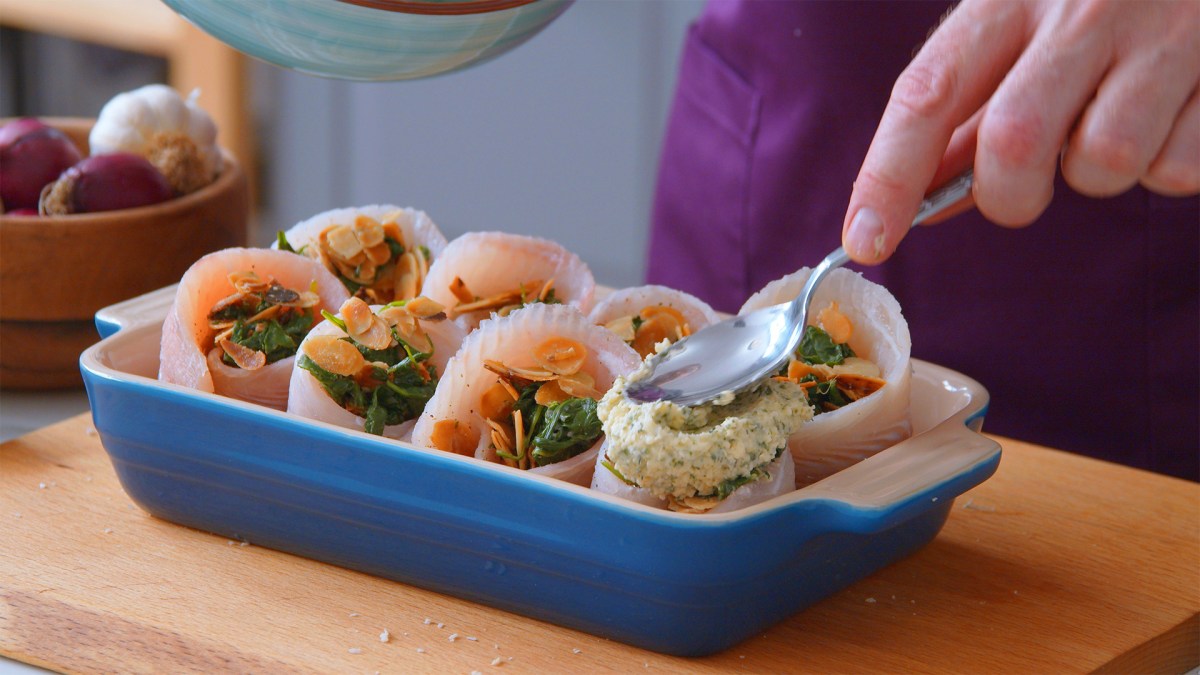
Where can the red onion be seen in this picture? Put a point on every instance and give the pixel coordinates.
(32, 155)
(120, 180)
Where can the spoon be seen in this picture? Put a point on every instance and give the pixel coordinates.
(738, 353)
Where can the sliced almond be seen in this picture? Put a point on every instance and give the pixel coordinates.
(858, 386)
(244, 357)
(357, 315)
(550, 393)
(334, 354)
(497, 402)
(379, 253)
(378, 336)
(451, 436)
(835, 323)
(560, 355)
(623, 327)
(519, 435)
(459, 289)
(424, 308)
(341, 241)
(398, 318)
(579, 385)
(227, 302)
(368, 231)
(529, 374)
(660, 326)
(247, 282)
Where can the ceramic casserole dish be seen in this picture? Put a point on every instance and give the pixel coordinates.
(674, 583)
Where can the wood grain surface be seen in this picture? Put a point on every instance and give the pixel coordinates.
(1056, 564)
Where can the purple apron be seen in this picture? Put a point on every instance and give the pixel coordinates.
(1084, 327)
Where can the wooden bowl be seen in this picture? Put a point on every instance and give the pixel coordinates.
(56, 271)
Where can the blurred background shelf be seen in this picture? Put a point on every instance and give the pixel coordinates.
(193, 59)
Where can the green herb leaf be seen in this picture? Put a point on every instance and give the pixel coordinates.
(817, 347)
(565, 430)
(283, 243)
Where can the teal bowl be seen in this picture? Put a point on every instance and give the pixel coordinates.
(372, 40)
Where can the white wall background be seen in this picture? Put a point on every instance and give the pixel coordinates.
(558, 138)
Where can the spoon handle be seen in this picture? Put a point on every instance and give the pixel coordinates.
(939, 200)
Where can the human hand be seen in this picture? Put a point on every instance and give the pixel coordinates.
(1107, 89)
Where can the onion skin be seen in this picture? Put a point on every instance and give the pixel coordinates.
(110, 182)
(32, 155)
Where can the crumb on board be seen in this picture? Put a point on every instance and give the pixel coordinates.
(108, 530)
(420, 650)
(472, 638)
(453, 637)
(355, 650)
(871, 600)
(384, 637)
(353, 614)
(428, 621)
(577, 650)
(497, 661)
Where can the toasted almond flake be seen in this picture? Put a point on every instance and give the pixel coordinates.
(579, 385)
(247, 281)
(859, 385)
(512, 391)
(493, 302)
(391, 228)
(379, 254)
(835, 323)
(658, 327)
(550, 393)
(228, 301)
(378, 336)
(424, 308)
(623, 327)
(341, 242)
(519, 433)
(496, 402)
(334, 354)
(244, 357)
(560, 355)
(459, 289)
(368, 230)
(268, 313)
(357, 315)
(530, 374)
(450, 436)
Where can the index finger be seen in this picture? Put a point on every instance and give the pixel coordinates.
(951, 77)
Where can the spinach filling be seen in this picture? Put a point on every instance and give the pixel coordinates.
(556, 432)
(816, 347)
(277, 336)
(382, 396)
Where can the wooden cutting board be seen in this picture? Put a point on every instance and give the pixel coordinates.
(1056, 564)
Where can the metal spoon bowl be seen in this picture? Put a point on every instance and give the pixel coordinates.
(740, 352)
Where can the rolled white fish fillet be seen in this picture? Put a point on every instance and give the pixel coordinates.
(182, 359)
(510, 340)
(781, 479)
(630, 301)
(835, 440)
(307, 398)
(494, 262)
(418, 228)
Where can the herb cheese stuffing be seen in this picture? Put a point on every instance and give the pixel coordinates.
(707, 450)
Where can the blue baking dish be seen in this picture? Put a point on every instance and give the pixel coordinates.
(675, 583)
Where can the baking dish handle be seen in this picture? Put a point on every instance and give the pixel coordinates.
(913, 475)
(147, 308)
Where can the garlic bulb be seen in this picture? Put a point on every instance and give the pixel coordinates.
(177, 136)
